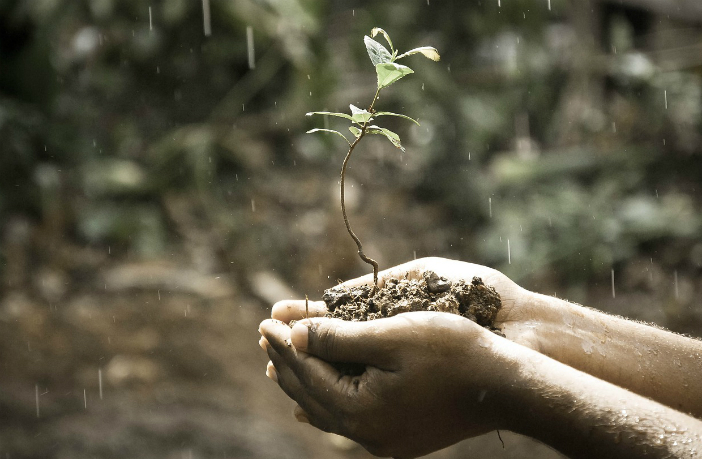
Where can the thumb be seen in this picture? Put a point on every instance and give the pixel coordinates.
(336, 340)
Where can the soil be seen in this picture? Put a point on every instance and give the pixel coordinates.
(475, 300)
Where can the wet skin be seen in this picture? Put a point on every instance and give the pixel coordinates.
(566, 375)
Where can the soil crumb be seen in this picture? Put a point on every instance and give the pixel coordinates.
(475, 300)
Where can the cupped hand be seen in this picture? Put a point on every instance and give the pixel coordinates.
(430, 380)
(513, 318)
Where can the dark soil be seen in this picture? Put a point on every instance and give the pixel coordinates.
(475, 300)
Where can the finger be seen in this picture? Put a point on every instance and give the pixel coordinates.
(271, 372)
(263, 342)
(320, 379)
(313, 399)
(288, 310)
(334, 340)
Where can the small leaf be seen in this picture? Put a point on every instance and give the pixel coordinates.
(396, 114)
(378, 53)
(360, 116)
(390, 73)
(340, 115)
(391, 136)
(355, 131)
(329, 130)
(428, 51)
(377, 30)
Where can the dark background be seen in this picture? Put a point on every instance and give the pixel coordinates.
(158, 193)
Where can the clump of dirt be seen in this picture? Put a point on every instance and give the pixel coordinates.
(475, 300)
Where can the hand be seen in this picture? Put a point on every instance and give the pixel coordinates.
(431, 379)
(518, 307)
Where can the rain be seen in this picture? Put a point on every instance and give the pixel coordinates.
(159, 193)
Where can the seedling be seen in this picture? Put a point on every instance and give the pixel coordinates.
(388, 72)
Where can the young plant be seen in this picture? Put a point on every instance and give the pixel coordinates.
(388, 72)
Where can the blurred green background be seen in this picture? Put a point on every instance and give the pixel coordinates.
(158, 192)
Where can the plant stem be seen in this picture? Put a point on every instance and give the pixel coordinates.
(355, 238)
(363, 256)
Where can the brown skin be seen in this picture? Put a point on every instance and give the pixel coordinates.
(433, 379)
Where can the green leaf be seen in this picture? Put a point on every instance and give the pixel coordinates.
(378, 53)
(396, 114)
(329, 130)
(427, 51)
(340, 115)
(377, 30)
(391, 136)
(360, 116)
(390, 73)
(355, 131)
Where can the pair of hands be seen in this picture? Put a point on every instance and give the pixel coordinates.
(431, 379)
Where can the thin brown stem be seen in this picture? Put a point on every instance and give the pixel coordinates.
(363, 256)
(355, 238)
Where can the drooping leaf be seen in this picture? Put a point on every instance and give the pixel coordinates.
(390, 72)
(360, 116)
(340, 115)
(378, 53)
(355, 131)
(377, 30)
(427, 51)
(391, 136)
(329, 130)
(396, 114)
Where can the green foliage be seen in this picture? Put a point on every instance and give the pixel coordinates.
(531, 131)
(388, 72)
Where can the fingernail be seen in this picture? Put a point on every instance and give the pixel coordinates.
(263, 342)
(299, 335)
(302, 418)
(270, 372)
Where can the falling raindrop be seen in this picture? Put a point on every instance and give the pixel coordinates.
(613, 292)
(206, 17)
(549, 5)
(250, 47)
(36, 397)
(490, 206)
(675, 282)
(414, 252)
(665, 96)
(614, 127)
(158, 69)
(509, 253)
(85, 399)
(100, 381)
(151, 23)
(253, 206)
